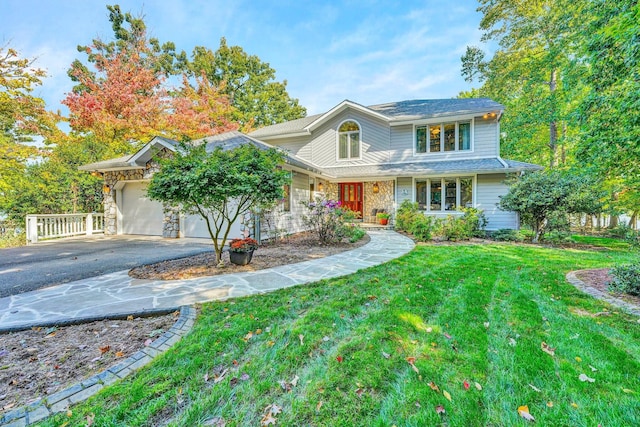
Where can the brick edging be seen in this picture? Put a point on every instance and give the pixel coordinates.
(603, 296)
(60, 401)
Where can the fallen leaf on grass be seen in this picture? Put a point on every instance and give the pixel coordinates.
(294, 381)
(447, 336)
(478, 386)
(359, 392)
(119, 354)
(585, 378)
(248, 336)
(440, 410)
(434, 387)
(339, 359)
(446, 394)
(244, 377)
(318, 406)
(385, 355)
(325, 338)
(269, 416)
(218, 378)
(535, 388)
(301, 338)
(486, 325)
(523, 411)
(412, 361)
(90, 419)
(578, 359)
(465, 384)
(593, 369)
(104, 349)
(574, 405)
(550, 404)
(551, 351)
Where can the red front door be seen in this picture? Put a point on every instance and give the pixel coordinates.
(351, 196)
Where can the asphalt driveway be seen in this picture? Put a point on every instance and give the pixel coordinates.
(28, 268)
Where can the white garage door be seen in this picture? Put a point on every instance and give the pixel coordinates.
(195, 226)
(139, 214)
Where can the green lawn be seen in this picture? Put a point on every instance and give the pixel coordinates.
(336, 352)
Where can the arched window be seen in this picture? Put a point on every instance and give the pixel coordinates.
(349, 140)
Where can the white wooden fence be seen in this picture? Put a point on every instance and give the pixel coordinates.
(42, 227)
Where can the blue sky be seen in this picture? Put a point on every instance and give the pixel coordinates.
(367, 51)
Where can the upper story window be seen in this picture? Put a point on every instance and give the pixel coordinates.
(349, 140)
(443, 137)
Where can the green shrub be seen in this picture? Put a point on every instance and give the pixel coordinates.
(406, 215)
(328, 220)
(422, 227)
(464, 227)
(355, 233)
(507, 235)
(559, 237)
(11, 234)
(626, 279)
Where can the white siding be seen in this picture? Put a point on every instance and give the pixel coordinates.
(402, 143)
(195, 226)
(488, 192)
(374, 135)
(290, 222)
(485, 133)
(404, 190)
(298, 146)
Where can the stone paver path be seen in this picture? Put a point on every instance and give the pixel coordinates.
(117, 294)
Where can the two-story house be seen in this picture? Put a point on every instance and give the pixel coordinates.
(443, 154)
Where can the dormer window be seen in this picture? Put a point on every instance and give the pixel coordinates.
(443, 137)
(349, 140)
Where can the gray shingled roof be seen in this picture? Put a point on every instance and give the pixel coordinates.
(481, 166)
(292, 126)
(396, 111)
(227, 141)
(427, 108)
(120, 162)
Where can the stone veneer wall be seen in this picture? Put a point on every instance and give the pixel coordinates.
(171, 221)
(384, 199)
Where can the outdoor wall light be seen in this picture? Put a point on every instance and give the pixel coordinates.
(106, 189)
(97, 174)
(320, 187)
(376, 188)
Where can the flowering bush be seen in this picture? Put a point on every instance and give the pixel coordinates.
(329, 220)
(243, 245)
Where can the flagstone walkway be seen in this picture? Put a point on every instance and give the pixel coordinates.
(118, 295)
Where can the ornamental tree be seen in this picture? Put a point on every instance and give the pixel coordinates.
(539, 198)
(219, 185)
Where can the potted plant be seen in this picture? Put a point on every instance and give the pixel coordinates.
(241, 250)
(383, 217)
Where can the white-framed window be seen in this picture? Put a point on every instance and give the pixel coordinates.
(443, 137)
(349, 140)
(444, 194)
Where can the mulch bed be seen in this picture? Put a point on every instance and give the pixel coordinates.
(600, 279)
(43, 361)
(296, 248)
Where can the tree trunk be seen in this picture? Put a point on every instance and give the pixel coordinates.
(613, 222)
(633, 221)
(553, 127)
(589, 222)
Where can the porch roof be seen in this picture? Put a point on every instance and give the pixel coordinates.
(472, 166)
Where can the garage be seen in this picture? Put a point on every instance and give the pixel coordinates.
(195, 226)
(139, 214)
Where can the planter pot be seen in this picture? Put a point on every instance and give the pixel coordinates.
(240, 258)
(384, 221)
